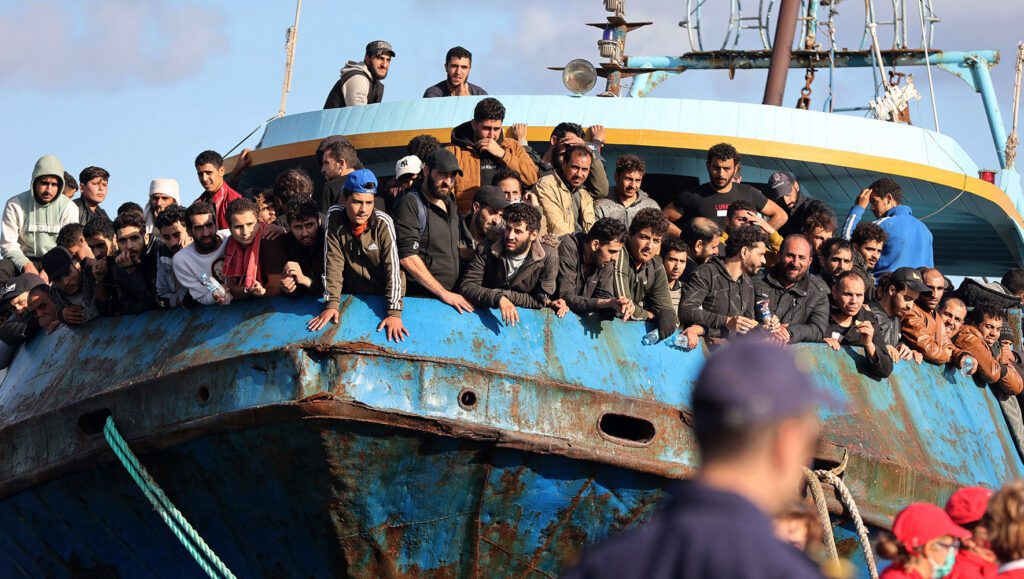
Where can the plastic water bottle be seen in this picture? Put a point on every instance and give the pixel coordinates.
(968, 365)
(650, 338)
(681, 341)
(215, 288)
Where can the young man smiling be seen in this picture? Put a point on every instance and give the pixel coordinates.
(361, 256)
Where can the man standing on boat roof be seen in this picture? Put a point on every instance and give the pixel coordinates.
(909, 242)
(32, 220)
(360, 82)
(481, 150)
(457, 64)
(216, 192)
(756, 427)
(712, 199)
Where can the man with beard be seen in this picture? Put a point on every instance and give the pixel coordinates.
(979, 337)
(586, 264)
(797, 300)
(818, 227)
(567, 205)
(304, 250)
(640, 275)
(835, 257)
(785, 191)
(253, 262)
(427, 224)
(703, 237)
(563, 137)
(923, 330)
(337, 160)
(172, 226)
(483, 223)
(360, 82)
(712, 199)
(481, 151)
(361, 256)
(719, 295)
(868, 240)
(850, 324)
(76, 292)
(163, 193)
(204, 257)
(520, 271)
(457, 64)
(31, 220)
(94, 191)
(210, 171)
(135, 266)
(898, 293)
(627, 198)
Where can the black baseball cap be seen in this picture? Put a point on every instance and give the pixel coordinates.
(443, 160)
(751, 381)
(57, 263)
(380, 47)
(911, 278)
(16, 286)
(491, 196)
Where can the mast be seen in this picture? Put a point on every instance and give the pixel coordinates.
(292, 36)
(782, 52)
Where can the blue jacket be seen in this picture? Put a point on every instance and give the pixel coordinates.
(701, 533)
(909, 243)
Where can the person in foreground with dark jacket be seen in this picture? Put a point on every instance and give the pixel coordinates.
(797, 298)
(586, 265)
(520, 270)
(719, 296)
(755, 421)
(849, 324)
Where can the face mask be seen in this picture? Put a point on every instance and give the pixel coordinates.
(939, 571)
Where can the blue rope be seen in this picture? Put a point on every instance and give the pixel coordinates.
(189, 538)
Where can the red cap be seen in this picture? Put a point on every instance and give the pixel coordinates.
(968, 505)
(921, 522)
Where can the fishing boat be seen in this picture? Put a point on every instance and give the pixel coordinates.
(473, 448)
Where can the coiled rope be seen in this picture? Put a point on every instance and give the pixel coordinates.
(189, 538)
(831, 476)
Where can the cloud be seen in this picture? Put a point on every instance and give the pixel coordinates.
(106, 44)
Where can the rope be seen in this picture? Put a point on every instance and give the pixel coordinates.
(818, 494)
(928, 67)
(189, 538)
(1012, 141)
(851, 507)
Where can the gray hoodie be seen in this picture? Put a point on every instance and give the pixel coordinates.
(30, 228)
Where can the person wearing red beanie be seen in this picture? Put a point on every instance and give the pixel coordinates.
(974, 560)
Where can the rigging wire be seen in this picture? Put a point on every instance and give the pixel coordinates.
(928, 67)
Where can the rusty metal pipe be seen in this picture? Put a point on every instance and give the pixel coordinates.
(782, 50)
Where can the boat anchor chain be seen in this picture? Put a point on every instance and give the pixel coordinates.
(804, 102)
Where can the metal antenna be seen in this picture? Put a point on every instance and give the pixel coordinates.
(292, 36)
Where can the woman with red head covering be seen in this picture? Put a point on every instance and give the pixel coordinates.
(923, 544)
(974, 560)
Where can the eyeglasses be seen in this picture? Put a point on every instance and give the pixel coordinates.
(954, 544)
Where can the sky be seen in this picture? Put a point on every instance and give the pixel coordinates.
(140, 88)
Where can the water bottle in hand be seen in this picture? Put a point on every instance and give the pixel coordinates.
(650, 338)
(215, 288)
(967, 366)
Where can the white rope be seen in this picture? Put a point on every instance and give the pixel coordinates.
(821, 506)
(1012, 141)
(851, 508)
(928, 67)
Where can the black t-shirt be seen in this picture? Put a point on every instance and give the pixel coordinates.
(706, 202)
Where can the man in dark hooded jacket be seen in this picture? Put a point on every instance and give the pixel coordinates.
(360, 82)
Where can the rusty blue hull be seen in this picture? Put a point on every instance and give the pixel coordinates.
(471, 449)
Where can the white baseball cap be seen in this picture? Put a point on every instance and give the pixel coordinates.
(410, 165)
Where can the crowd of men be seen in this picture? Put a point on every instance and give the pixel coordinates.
(487, 221)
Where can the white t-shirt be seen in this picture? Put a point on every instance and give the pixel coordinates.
(190, 265)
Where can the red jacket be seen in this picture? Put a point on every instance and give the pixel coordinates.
(220, 201)
(970, 565)
(896, 571)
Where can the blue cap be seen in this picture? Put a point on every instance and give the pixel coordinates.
(361, 181)
(753, 382)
